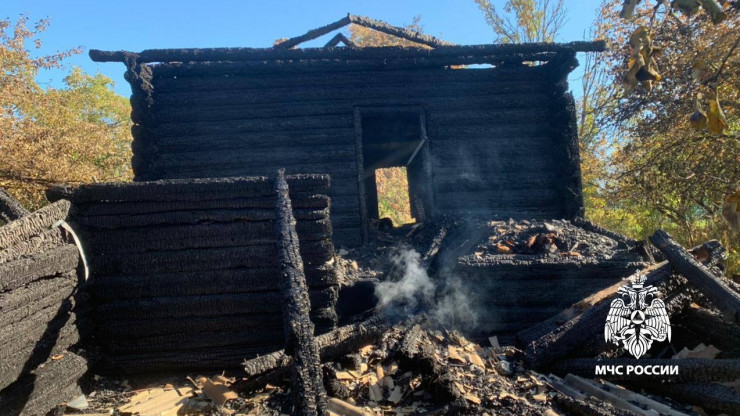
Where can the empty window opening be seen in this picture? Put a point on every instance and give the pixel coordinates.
(392, 185)
(396, 185)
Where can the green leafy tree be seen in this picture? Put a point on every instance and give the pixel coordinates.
(75, 134)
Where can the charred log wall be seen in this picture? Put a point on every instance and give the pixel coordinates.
(498, 137)
(43, 311)
(185, 272)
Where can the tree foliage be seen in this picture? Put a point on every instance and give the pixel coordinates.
(524, 20)
(79, 133)
(670, 144)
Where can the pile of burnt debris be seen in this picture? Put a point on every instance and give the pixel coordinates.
(538, 337)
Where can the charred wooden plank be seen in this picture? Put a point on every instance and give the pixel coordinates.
(724, 298)
(17, 273)
(47, 240)
(276, 366)
(168, 237)
(34, 291)
(108, 288)
(206, 305)
(265, 338)
(307, 201)
(315, 253)
(193, 217)
(185, 189)
(711, 326)
(136, 328)
(10, 208)
(23, 310)
(309, 396)
(24, 360)
(37, 393)
(19, 230)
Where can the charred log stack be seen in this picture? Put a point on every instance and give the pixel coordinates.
(523, 272)
(185, 272)
(43, 313)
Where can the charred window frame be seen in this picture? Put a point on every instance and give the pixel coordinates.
(371, 135)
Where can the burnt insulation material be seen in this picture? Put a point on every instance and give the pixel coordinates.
(43, 312)
(184, 272)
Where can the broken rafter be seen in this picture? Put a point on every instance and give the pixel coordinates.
(721, 296)
(309, 396)
(339, 38)
(369, 23)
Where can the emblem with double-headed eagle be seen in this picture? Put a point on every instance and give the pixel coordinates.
(637, 323)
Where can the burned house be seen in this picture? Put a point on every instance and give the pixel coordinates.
(487, 130)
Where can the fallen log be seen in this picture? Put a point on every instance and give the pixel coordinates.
(719, 293)
(712, 397)
(10, 208)
(711, 326)
(584, 332)
(689, 369)
(271, 367)
(309, 396)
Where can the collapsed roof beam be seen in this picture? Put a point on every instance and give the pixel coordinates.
(389, 52)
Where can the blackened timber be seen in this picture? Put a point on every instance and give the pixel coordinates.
(710, 325)
(175, 237)
(286, 95)
(10, 208)
(21, 229)
(47, 240)
(275, 366)
(205, 305)
(347, 79)
(314, 33)
(259, 54)
(309, 396)
(721, 296)
(314, 201)
(109, 288)
(55, 382)
(32, 292)
(17, 273)
(176, 69)
(138, 328)
(183, 189)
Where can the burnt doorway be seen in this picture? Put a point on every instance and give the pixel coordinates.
(393, 137)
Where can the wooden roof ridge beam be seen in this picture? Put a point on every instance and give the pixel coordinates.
(339, 37)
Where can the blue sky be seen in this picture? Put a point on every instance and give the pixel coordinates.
(136, 25)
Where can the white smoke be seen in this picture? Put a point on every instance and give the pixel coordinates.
(409, 290)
